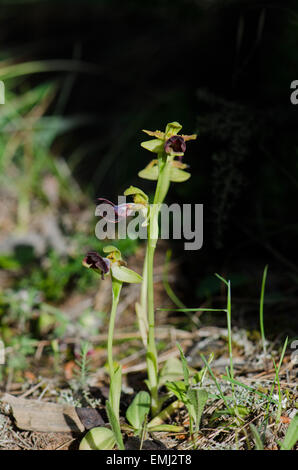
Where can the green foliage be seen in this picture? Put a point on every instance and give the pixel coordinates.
(115, 425)
(176, 175)
(22, 347)
(98, 439)
(262, 308)
(138, 410)
(9, 263)
(289, 441)
(291, 436)
(257, 438)
(171, 371)
(115, 388)
(189, 391)
(60, 274)
(84, 364)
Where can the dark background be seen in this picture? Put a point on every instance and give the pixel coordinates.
(221, 68)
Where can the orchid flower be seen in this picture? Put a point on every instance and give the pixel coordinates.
(171, 145)
(121, 211)
(166, 168)
(169, 141)
(113, 264)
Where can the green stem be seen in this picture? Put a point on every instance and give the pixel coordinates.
(116, 288)
(262, 310)
(115, 372)
(141, 309)
(229, 322)
(162, 187)
(113, 403)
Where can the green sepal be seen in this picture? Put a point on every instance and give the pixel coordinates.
(153, 145)
(149, 173)
(113, 249)
(179, 176)
(172, 128)
(132, 191)
(123, 274)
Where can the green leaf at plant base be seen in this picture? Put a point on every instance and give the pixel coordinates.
(123, 274)
(165, 428)
(115, 425)
(199, 376)
(138, 409)
(291, 436)
(98, 439)
(198, 399)
(178, 389)
(257, 437)
(184, 365)
(153, 145)
(241, 411)
(179, 176)
(171, 371)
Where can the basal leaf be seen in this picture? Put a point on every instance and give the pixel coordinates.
(202, 398)
(138, 409)
(178, 388)
(171, 371)
(292, 435)
(115, 425)
(165, 428)
(98, 439)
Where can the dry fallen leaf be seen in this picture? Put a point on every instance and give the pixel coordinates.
(33, 415)
(285, 419)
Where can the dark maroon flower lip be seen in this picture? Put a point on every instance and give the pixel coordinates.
(94, 261)
(175, 145)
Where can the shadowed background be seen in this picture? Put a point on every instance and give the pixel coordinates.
(100, 71)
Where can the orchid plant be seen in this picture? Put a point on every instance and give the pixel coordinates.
(114, 266)
(168, 166)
